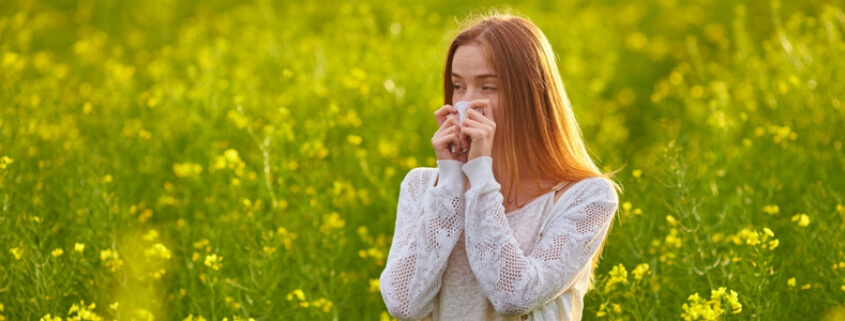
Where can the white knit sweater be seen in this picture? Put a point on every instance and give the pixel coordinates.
(458, 256)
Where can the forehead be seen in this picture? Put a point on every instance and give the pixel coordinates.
(471, 60)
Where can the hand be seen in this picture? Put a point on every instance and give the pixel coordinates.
(478, 129)
(448, 135)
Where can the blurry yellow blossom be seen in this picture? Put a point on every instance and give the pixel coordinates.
(49, 317)
(158, 250)
(213, 261)
(322, 304)
(376, 254)
(697, 308)
(79, 247)
(671, 220)
(640, 271)
(840, 209)
(805, 286)
(618, 275)
(771, 209)
(17, 252)
(296, 294)
(83, 312)
(57, 252)
(354, 140)
(269, 250)
(802, 219)
(637, 173)
(672, 239)
(374, 285)
(114, 306)
(386, 317)
(5, 160)
(111, 259)
(602, 310)
(186, 169)
(332, 222)
(791, 282)
(191, 317)
(753, 237)
(151, 235)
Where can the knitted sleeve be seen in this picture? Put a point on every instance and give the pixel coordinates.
(516, 283)
(429, 221)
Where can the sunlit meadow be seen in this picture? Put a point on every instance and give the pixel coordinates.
(238, 160)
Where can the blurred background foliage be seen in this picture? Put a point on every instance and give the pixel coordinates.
(220, 159)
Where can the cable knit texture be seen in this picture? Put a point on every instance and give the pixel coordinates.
(457, 255)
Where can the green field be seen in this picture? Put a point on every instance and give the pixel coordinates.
(227, 160)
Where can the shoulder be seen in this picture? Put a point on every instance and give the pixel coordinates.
(586, 191)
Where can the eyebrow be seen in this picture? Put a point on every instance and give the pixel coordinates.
(484, 76)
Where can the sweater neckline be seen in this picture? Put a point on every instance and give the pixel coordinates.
(531, 202)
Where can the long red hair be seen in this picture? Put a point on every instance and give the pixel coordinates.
(537, 134)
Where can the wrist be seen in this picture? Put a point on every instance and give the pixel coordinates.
(450, 173)
(479, 170)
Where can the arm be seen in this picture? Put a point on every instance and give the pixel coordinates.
(513, 282)
(425, 234)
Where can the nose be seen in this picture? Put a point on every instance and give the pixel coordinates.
(471, 94)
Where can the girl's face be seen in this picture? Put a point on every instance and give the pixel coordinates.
(473, 77)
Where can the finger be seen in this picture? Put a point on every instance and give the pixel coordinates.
(470, 133)
(446, 130)
(479, 122)
(480, 117)
(443, 113)
(484, 105)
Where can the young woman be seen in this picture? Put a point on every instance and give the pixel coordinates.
(509, 225)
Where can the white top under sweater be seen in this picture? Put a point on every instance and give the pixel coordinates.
(458, 256)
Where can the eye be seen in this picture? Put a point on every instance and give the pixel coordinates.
(489, 88)
(457, 87)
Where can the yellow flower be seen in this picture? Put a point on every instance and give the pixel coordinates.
(83, 312)
(802, 219)
(805, 286)
(627, 206)
(374, 285)
(151, 235)
(790, 282)
(113, 306)
(158, 250)
(57, 252)
(191, 317)
(617, 275)
(298, 294)
(213, 261)
(354, 140)
(49, 317)
(672, 239)
(79, 247)
(671, 220)
(637, 173)
(771, 209)
(111, 259)
(269, 250)
(232, 156)
(5, 160)
(17, 252)
(640, 271)
(322, 304)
